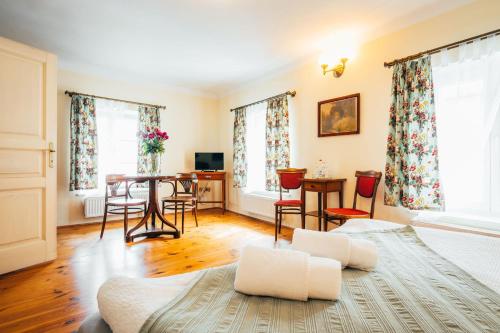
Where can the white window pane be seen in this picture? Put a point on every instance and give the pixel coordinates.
(467, 91)
(117, 139)
(256, 147)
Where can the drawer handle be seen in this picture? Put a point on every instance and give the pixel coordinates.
(208, 177)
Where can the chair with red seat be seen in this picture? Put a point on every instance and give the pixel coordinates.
(289, 179)
(366, 186)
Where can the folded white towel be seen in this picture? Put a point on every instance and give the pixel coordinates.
(364, 254)
(355, 253)
(325, 278)
(323, 244)
(272, 272)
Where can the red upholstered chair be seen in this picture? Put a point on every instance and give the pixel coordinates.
(366, 186)
(290, 179)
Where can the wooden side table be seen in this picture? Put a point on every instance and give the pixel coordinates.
(219, 176)
(323, 186)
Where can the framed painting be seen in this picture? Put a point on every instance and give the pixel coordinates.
(339, 116)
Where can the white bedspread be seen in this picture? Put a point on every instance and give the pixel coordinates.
(125, 303)
(475, 254)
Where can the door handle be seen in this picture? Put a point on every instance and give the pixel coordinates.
(51, 152)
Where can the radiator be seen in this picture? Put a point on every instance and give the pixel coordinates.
(94, 205)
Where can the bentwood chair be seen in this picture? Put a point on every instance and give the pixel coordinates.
(184, 197)
(366, 187)
(289, 179)
(118, 200)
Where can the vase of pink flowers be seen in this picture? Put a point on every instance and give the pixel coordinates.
(153, 140)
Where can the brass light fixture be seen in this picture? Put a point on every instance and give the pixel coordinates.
(338, 70)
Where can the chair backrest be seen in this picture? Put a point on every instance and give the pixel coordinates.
(113, 184)
(366, 186)
(188, 184)
(290, 178)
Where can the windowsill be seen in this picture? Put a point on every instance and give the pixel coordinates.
(471, 222)
(266, 195)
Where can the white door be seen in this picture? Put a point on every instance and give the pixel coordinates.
(28, 127)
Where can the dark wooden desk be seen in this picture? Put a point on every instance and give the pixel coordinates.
(218, 176)
(153, 211)
(322, 186)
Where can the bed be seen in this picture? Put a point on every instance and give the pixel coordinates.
(129, 305)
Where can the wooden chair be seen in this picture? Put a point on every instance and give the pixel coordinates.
(185, 195)
(120, 202)
(366, 186)
(289, 179)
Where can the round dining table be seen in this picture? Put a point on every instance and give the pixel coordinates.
(153, 211)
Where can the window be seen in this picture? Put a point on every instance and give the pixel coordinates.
(467, 81)
(256, 148)
(116, 139)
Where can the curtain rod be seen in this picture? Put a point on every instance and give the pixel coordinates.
(447, 47)
(288, 93)
(71, 93)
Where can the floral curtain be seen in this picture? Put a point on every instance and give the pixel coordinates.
(412, 167)
(240, 148)
(83, 144)
(277, 140)
(149, 117)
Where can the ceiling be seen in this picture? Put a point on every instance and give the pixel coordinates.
(203, 45)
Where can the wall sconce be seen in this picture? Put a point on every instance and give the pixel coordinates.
(338, 70)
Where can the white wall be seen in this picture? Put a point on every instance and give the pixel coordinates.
(365, 75)
(204, 123)
(190, 120)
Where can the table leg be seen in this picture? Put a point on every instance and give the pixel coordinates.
(153, 211)
(224, 196)
(319, 209)
(303, 207)
(325, 206)
(129, 237)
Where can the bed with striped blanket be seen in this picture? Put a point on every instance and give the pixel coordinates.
(413, 289)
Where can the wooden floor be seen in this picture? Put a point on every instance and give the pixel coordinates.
(56, 297)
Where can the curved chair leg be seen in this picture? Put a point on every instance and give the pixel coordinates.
(182, 218)
(195, 211)
(146, 225)
(104, 220)
(275, 223)
(125, 223)
(175, 213)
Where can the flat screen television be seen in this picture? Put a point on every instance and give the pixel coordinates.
(209, 161)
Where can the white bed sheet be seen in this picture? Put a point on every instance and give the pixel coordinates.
(126, 303)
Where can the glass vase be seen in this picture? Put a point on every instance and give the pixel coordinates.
(320, 170)
(154, 165)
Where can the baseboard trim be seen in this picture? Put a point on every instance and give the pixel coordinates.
(259, 218)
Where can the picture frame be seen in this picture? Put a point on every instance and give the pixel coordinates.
(339, 116)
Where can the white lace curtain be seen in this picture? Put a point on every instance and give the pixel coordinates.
(467, 92)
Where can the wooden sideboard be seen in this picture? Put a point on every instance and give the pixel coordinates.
(215, 176)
